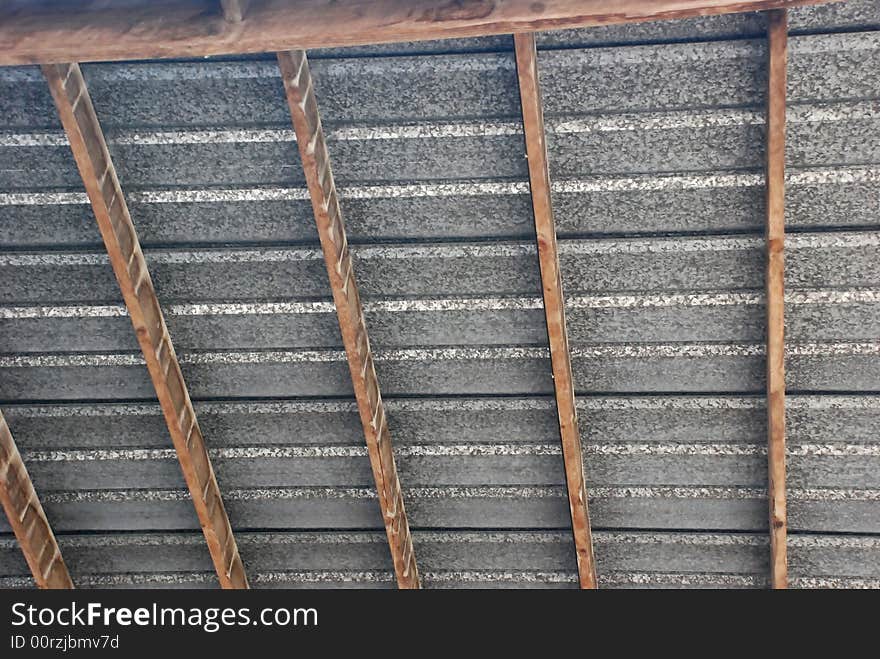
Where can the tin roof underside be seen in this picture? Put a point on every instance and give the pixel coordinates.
(655, 133)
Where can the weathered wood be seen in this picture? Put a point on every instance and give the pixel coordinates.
(234, 10)
(340, 269)
(775, 232)
(554, 305)
(120, 239)
(26, 517)
(94, 31)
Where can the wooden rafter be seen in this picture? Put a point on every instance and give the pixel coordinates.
(554, 305)
(93, 31)
(120, 239)
(340, 269)
(775, 232)
(26, 517)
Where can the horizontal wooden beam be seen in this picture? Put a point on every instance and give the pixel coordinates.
(94, 30)
(130, 267)
(26, 517)
(554, 304)
(775, 280)
(340, 268)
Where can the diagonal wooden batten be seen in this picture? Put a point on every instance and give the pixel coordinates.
(120, 239)
(554, 305)
(26, 517)
(777, 33)
(325, 203)
(95, 30)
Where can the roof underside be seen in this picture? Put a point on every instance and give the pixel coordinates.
(656, 146)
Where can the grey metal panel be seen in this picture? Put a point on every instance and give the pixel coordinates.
(644, 204)
(503, 327)
(709, 467)
(700, 75)
(601, 369)
(389, 217)
(672, 373)
(720, 202)
(655, 77)
(348, 90)
(683, 264)
(449, 551)
(25, 100)
(833, 260)
(267, 163)
(720, 317)
(706, 148)
(71, 383)
(832, 511)
(272, 162)
(824, 68)
(636, 510)
(443, 85)
(33, 106)
(853, 14)
(44, 225)
(278, 274)
(268, 377)
(436, 511)
(816, 419)
(260, 423)
(732, 141)
(463, 580)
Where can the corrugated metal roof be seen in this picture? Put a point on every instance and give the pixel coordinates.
(655, 134)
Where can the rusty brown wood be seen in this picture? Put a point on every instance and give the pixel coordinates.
(340, 269)
(26, 517)
(554, 304)
(95, 31)
(775, 233)
(120, 239)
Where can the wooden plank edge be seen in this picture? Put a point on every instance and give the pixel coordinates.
(775, 280)
(554, 304)
(92, 157)
(300, 92)
(27, 517)
(101, 33)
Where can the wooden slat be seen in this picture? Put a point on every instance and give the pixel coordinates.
(120, 239)
(554, 305)
(775, 232)
(26, 517)
(340, 269)
(92, 30)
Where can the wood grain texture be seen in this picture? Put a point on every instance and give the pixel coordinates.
(300, 92)
(120, 239)
(554, 304)
(26, 517)
(93, 31)
(775, 232)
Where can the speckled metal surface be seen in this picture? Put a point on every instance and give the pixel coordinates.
(656, 145)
